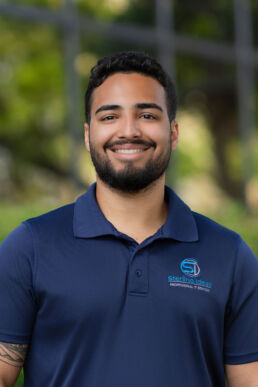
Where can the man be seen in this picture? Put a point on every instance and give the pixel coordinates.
(127, 287)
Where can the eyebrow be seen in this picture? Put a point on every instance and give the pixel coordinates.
(144, 105)
(107, 107)
(149, 106)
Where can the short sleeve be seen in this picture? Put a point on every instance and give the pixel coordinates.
(241, 320)
(17, 301)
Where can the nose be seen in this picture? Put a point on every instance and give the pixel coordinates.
(129, 127)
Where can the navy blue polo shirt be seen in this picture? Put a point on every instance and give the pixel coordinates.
(100, 310)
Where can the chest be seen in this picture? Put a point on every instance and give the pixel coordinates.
(97, 280)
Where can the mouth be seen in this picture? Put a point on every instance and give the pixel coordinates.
(129, 150)
(129, 147)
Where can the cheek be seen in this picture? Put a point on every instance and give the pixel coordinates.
(98, 136)
(161, 137)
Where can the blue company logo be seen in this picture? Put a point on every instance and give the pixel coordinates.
(190, 267)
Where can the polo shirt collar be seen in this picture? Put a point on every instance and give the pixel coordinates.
(89, 221)
(180, 223)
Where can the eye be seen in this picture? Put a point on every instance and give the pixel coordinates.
(108, 118)
(148, 116)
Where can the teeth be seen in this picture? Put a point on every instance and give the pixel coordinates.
(129, 150)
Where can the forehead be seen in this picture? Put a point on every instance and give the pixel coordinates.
(128, 89)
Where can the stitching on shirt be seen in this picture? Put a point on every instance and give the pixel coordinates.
(23, 339)
(241, 354)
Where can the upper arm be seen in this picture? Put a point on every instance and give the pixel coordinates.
(12, 357)
(18, 304)
(242, 375)
(241, 313)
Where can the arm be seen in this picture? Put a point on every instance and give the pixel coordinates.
(12, 357)
(242, 375)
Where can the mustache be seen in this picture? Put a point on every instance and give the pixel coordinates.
(122, 142)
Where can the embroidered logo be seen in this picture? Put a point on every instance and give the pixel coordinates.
(191, 271)
(190, 267)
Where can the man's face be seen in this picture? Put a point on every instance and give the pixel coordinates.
(130, 137)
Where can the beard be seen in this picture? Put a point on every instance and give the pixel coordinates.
(130, 179)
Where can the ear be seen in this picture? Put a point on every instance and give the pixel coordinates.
(174, 134)
(87, 136)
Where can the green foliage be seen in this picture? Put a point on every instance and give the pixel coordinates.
(139, 12)
(105, 10)
(54, 4)
(33, 103)
(32, 94)
(235, 217)
(20, 380)
(33, 108)
(212, 19)
(11, 215)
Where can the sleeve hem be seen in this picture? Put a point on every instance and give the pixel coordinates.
(241, 359)
(14, 339)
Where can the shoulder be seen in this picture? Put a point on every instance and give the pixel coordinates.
(209, 228)
(217, 240)
(59, 218)
(60, 214)
(23, 233)
(223, 241)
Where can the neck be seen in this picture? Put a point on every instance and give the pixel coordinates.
(138, 215)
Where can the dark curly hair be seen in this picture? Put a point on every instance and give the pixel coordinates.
(130, 62)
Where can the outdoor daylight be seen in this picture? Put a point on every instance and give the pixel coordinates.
(47, 147)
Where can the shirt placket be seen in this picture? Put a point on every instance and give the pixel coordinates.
(138, 281)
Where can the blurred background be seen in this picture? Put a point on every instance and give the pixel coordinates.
(47, 48)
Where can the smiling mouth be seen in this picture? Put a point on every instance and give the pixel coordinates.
(129, 148)
(129, 151)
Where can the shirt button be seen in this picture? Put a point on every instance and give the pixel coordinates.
(138, 272)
